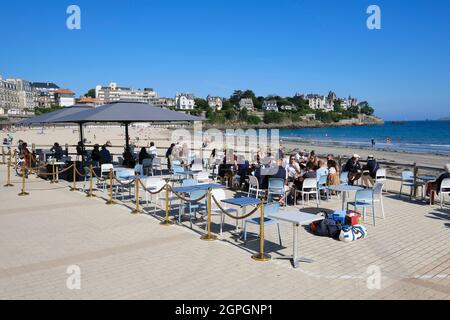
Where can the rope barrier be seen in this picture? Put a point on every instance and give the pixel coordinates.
(166, 221)
(151, 192)
(136, 191)
(187, 199)
(125, 184)
(230, 215)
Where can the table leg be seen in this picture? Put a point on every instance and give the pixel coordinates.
(344, 198)
(295, 261)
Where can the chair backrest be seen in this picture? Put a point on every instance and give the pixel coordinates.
(407, 175)
(276, 185)
(177, 169)
(156, 161)
(188, 182)
(271, 208)
(147, 163)
(365, 196)
(176, 163)
(344, 177)
(105, 168)
(378, 189)
(197, 194)
(153, 182)
(322, 180)
(125, 174)
(203, 176)
(381, 173)
(139, 168)
(197, 167)
(309, 183)
(445, 184)
(219, 195)
(253, 182)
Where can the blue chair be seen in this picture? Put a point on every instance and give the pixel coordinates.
(322, 185)
(193, 206)
(408, 181)
(177, 173)
(364, 199)
(269, 209)
(276, 188)
(344, 178)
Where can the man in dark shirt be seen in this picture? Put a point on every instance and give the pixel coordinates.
(353, 167)
(57, 151)
(434, 187)
(370, 170)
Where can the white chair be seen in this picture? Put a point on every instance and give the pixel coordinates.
(408, 181)
(124, 177)
(203, 177)
(381, 177)
(153, 184)
(139, 169)
(147, 164)
(197, 165)
(219, 195)
(253, 186)
(444, 190)
(309, 187)
(378, 195)
(156, 165)
(104, 172)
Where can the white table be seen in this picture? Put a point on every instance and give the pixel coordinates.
(297, 218)
(57, 164)
(343, 188)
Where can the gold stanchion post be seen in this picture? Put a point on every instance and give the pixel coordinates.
(90, 194)
(8, 181)
(74, 183)
(111, 200)
(53, 172)
(209, 236)
(166, 222)
(23, 193)
(261, 256)
(136, 191)
(31, 163)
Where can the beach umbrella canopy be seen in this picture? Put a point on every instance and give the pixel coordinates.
(54, 115)
(126, 113)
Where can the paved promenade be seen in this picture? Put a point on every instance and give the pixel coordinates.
(125, 256)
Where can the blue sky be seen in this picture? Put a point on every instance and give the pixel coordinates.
(216, 46)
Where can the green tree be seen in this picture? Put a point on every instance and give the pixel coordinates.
(201, 103)
(90, 93)
(243, 115)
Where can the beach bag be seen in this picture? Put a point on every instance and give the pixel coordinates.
(352, 233)
(328, 228)
(353, 218)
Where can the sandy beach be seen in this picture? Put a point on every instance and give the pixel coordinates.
(141, 136)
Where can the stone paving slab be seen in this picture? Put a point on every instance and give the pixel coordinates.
(125, 256)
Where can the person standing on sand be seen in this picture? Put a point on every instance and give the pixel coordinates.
(373, 143)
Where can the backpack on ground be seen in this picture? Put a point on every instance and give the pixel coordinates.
(352, 233)
(327, 228)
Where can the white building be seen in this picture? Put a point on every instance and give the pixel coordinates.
(215, 103)
(16, 97)
(45, 93)
(64, 97)
(288, 107)
(184, 101)
(270, 105)
(113, 93)
(316, 102)
(246, 103)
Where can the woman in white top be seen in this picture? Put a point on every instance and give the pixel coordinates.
(153, 151)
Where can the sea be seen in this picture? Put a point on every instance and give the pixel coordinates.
(410, 136)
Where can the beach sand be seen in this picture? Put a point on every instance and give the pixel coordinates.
(142, 136)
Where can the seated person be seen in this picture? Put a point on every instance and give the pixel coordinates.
(353, 167)
(293, 168)
(333, 173)
(105, 155)
(95, 155)
(281, 173)
(434, 187)
(128, 158)
(370, 171)
(57, 151)
(322, 170)
(143, 155)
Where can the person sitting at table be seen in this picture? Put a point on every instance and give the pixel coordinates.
(57, 151)
(281, 173)
(143, 155)
(105, 155)
(434, 187)
(95, 155)
(353, 167)
(370, 171)
(128, 158)
(322, 169)
(336, 164)
(312, 162)
(333, 173)
(293, 168)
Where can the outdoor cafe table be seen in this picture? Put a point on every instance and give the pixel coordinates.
(344, 189)
(297, 219)
(242, 202)
(425, 179)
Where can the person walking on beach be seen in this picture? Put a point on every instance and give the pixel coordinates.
(373, 143)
